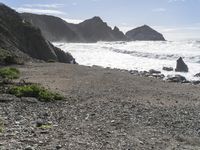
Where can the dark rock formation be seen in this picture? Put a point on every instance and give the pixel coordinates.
(95, 29)
(197, 75)
(152, 71)
(168, 68)
(53, 28)
(181, 66)
(176, 78)
(144, 33)
(23, 40)
(91, 30)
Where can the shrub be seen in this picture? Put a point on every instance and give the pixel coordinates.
(36, 91)
(7, 58)
(51, 61)
(9, 73)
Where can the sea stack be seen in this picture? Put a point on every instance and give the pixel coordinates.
(181, 66)
(144, 33)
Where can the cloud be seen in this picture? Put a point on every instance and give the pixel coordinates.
(74, 4)
(170, 1)
(40, 11)
(75, 21)
(159, 10)
(43, 5)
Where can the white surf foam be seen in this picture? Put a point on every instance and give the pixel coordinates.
(139, 55)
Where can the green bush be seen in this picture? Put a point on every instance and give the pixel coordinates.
(9, 73)
(7, 58)
(36, 91)
(51, 61)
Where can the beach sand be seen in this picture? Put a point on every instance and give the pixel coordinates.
(104, 109)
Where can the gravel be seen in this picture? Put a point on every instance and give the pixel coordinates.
(103, 109)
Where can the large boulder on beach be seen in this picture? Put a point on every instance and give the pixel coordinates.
(152, 71)
(168, 68)
(181, 66)
(176, 78)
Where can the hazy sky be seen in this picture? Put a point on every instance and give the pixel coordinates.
(176, 19)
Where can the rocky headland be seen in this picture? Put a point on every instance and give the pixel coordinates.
(144, 33)
(91, 30)
(20, 40)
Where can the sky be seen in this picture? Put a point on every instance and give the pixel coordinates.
(175, 19)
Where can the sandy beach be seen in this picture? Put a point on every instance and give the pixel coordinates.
(104, 109)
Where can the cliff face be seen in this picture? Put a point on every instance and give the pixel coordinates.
(53, 28)
(91, 30)
(21, 38)
(144, 33)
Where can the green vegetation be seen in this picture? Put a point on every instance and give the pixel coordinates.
(7, 58)
(36, 91)
(47, 126)
(1, 125)
(9, 73)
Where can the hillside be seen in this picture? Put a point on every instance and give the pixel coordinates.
(91, 30)
(21, 39)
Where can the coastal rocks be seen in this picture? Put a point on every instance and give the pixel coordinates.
(144, 33)
(197, 75)
(152, 71)
(181, 66)
(176, 78)
(168, 68)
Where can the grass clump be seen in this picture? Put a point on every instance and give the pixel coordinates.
(47, 126)
(1, 125)
(36, 91)
(9, 73)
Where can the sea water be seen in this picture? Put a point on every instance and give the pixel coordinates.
(137, 55)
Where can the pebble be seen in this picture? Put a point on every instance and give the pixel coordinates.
(29, 148)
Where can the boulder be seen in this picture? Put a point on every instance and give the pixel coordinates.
(168, 68)
(152, 71)
(197, 75)
(181, 66)
(176, 78)
(134, 72)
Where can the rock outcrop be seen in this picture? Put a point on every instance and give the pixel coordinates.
(176, 78)
(23, 40)
(91, 30)
(144, 33)
(168, 68)
(181, 66)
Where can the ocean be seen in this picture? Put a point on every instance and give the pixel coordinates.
(137, 55)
